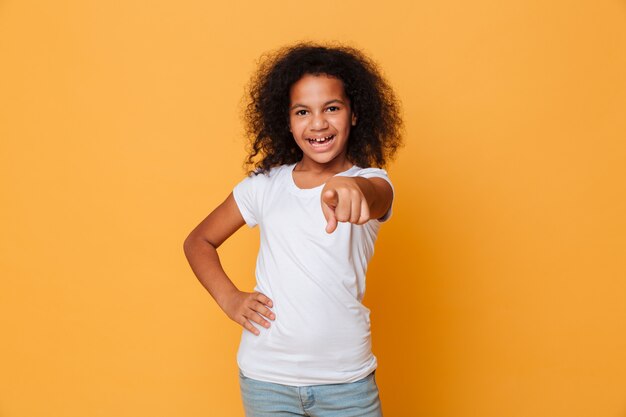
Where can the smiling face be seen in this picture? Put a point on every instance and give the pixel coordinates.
(320, 117)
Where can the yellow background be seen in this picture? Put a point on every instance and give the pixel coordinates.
(498, 289)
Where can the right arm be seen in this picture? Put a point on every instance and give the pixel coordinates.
(201, 251)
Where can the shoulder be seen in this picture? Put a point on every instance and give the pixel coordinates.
(372, 172)
(268, 175)
(250, 193)
(258, 179)
(357, 171)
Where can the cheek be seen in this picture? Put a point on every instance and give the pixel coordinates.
(296, 127)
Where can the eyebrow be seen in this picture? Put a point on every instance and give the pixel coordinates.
(325, 104)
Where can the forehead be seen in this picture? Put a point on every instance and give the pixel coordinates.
(317, 87)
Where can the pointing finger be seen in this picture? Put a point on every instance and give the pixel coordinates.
(332, 223)
(330, 197)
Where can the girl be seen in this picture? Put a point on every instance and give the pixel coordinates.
(321, 121)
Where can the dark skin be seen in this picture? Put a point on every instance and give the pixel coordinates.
(348, 195)
(319, 108)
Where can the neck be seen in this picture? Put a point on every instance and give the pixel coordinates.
(335, 166)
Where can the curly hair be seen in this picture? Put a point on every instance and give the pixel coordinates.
(373, 141)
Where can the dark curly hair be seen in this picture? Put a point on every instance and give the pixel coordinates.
(372, 142)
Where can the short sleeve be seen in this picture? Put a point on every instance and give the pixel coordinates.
(248, 198)
(379, 173)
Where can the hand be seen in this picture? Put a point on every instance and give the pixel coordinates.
(343, 201)
(242, 307)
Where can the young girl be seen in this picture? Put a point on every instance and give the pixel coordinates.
(321, 120)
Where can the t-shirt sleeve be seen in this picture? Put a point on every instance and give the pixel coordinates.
(248, 198)
(379, 173)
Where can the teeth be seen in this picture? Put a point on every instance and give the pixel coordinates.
(321, 139)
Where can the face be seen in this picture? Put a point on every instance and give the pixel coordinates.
(320, 118)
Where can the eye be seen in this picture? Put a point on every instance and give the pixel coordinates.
(300, 112)
(333, 108)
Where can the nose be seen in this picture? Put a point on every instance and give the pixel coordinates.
(319, 121)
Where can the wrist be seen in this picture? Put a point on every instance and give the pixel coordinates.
(226, 296)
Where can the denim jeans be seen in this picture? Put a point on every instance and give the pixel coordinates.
(353, 399)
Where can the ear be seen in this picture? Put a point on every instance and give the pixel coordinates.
(353, 119)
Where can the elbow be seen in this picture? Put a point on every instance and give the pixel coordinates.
(193, 241)
(189, 243)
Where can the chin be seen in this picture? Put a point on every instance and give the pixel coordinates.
(321, 159)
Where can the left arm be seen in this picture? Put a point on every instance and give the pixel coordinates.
(354, 199)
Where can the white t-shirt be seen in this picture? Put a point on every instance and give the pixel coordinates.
(316, 280)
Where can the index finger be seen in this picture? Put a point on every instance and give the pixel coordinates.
(330, 197)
